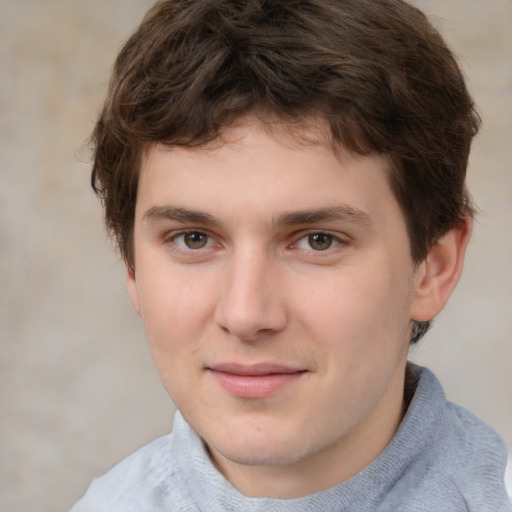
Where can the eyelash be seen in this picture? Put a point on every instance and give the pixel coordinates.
(182, 234)
(335, 242)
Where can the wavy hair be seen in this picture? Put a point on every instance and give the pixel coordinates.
(377, 72)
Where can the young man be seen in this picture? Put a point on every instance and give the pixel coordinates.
(286, 182)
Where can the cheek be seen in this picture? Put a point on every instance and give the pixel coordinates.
(174, 324)
(359, 308)
(176, 297)
(175, 312)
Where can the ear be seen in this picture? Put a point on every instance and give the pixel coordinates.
(439, 273)
(131, 286)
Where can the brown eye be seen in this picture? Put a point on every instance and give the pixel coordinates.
(195, 240)
(320, 241)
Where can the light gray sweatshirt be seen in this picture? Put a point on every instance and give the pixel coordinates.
(441, 459)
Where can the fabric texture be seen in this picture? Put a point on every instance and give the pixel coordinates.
(441, 459)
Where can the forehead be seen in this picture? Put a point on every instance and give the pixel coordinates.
(266, 166)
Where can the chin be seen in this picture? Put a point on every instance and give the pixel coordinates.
(257, 457)
(266, 452)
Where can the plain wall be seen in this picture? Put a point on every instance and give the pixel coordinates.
(77, 388)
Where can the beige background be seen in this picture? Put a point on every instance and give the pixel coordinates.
(77, 387)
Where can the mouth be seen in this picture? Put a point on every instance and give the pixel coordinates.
(254, 381)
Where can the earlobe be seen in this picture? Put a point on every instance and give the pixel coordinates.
(439, 273)
(131, 287)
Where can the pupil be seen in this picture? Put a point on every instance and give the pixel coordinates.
(195, 240)
(319, 241)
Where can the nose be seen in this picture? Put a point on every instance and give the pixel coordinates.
(250, 304)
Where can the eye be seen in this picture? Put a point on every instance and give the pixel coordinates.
(192, 240)
(318, 242)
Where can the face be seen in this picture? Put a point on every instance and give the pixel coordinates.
(275, 282)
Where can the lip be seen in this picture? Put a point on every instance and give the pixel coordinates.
(254, 381)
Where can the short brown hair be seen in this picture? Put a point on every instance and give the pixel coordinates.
(376, 71)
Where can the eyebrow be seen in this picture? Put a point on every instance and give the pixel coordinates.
(341, 212)
(184, 215)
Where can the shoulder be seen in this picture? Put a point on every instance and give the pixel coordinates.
(464, 456)
(478, 457)
(129, 485)
(508, 477)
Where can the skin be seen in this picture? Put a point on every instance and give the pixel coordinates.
(267, 255)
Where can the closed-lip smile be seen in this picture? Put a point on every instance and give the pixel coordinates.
(254, 381)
